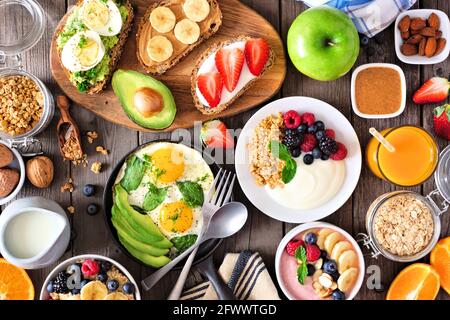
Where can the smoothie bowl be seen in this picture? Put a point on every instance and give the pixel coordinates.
(319, 261)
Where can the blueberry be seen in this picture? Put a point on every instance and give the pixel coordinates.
(320, 125)
(92, 209)
(105, 266)
(50, 287)
(89, 190)
(102, 277)
(320, 134)
(380, 287)
(75, 291)
(84, 282)
(113, 285)
(312, 128)
(311, 269)
(325, 157)
(338, 295)
(303, 128)
(330, 267)
(295, 152)
(364, 41)
(308, 159)
(311, 238)
(316, 153)
(128, 288)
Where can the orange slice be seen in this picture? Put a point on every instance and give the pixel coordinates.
(15, 284)
(418, 281)
(440, 260)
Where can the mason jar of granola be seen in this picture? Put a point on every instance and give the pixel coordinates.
(404, 225)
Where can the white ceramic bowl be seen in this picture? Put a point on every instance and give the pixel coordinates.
(19, 165)
(423, 13)
(403, 88)
(312, 225)
(63, 266)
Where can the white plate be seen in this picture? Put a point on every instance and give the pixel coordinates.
(344, 132)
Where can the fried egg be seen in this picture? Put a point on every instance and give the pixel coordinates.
(171, 163)
(102, 17)
(83, 51)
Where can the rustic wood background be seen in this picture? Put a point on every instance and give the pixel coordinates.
(261, 233)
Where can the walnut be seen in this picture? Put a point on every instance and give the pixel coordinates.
(40, 171)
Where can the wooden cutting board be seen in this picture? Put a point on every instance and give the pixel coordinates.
(238, 19)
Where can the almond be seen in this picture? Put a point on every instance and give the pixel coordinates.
(434, 21)
(422, 44)
(404, 23)
(415, 39)
(441, 42)
(430, 47)
(428, 32)
(408, 49)
(418, 24)
(405, 35)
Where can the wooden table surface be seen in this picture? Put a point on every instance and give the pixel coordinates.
(261, 233)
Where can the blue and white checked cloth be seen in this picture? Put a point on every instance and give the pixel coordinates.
(369, 16)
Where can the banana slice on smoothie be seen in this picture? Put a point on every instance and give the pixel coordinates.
(348, 259)
(347, 280)
(94, 290)
(162, 19)
(321, 236)
(196, 10)
(339, 248)
(187, 31)
(159, 48)
(331, 241)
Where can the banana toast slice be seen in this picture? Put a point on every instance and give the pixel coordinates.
(171, 29)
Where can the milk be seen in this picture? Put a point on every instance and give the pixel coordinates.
(30, 233)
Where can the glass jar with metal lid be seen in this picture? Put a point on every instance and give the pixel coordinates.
(422, 212)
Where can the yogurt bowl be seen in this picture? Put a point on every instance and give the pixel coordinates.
(335, 264)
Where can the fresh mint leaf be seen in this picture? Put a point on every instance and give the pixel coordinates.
(300, 254)
(280, 151)
(154, 197)
(302, 270)
(192, 193)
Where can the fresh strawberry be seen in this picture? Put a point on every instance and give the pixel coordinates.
(229, 62)
(90, 268)
(341, 152)
(292, 246)
(210, 85)
(441, 120)
(214, 134)
(330, 133)
(308, 118)
(434, 90)
(312, 252)
(256, 53)
(309, 142)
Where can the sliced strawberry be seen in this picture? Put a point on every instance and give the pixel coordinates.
(434, 90)
(441, 120)
(210, 85)
(256, 53)
(214, 134)
(229, 62)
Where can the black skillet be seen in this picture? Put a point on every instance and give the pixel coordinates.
(204, 252)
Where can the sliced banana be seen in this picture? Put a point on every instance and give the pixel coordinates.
(331, 240)
(348, 259)
(116, 296)
(187, 31)
(159, 48)
(321, 236)
(347, 280)
(162, 19)
(196, 10)
(94, 290)
(340, 247)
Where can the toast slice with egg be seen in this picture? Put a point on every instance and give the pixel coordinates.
(169, 17)
(96, 85)
(200, 103)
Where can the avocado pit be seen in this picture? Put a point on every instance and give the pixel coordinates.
(148, 102)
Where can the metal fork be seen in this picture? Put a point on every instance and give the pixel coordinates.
(219, 194)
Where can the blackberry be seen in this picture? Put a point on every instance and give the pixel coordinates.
(292, 142)
(328, 146)
(60, 283)
(290, 132)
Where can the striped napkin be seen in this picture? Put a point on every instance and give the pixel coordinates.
(369, 16)
(245, 273)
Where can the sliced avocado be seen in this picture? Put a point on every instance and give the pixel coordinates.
(145, 248)
(134, 173)
(121, 224)
(146, 101)
(155, 262)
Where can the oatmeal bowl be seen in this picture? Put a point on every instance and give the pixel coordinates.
(319, 261)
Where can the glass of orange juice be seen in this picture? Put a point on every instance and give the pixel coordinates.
(414, 160)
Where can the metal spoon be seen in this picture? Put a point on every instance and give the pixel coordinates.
(224, 224)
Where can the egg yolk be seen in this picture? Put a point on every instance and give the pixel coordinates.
(169, 164)
(95, 14)
(87, 53)
(176, 217)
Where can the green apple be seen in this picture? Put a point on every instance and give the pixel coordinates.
(323, 43)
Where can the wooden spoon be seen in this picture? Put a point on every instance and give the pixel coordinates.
(68, 128)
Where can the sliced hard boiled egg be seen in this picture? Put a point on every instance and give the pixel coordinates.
(102, 17)
(83, 51)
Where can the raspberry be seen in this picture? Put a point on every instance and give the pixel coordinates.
(293, 245)
(90, 268)
(330, 133)
(341, 152)
(308, 118)
(291, 119)
(309, 143)
(312, 252)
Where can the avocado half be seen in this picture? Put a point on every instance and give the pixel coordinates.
(126, 83)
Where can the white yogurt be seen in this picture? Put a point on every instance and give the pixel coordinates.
(210, 65)
(312, 186)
